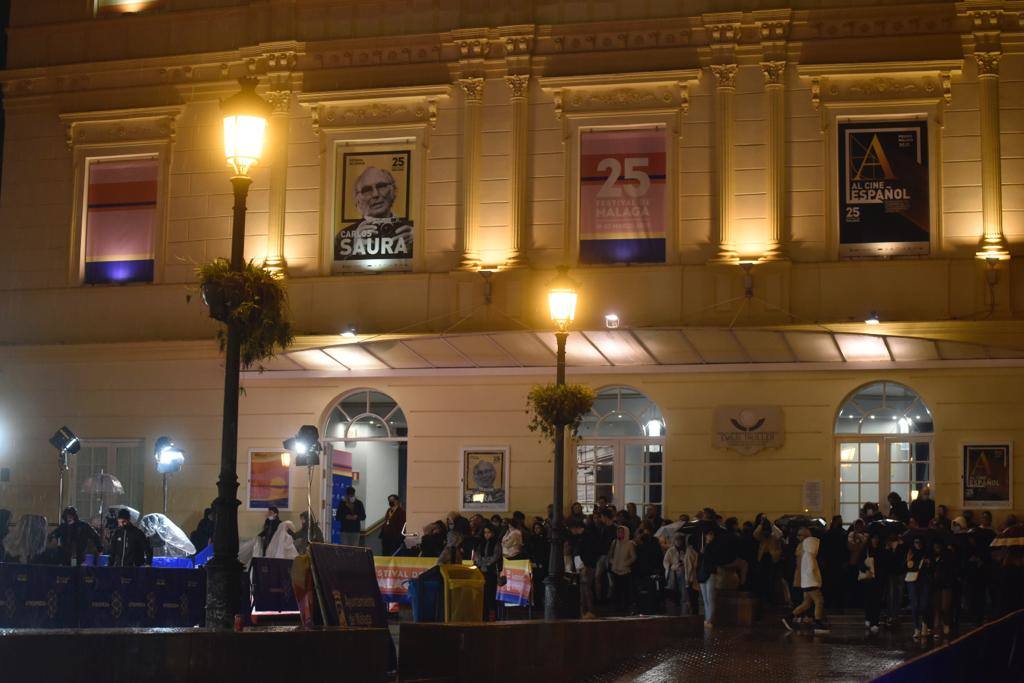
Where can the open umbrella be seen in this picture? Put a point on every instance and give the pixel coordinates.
(102, 485)
(165, 536)
(1011, 537)
(887, 526)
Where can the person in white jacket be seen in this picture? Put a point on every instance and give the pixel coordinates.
(808, 577)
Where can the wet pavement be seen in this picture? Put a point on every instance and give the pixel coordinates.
(767, 653)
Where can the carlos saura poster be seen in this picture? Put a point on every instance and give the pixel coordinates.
(988, 475)
(372, 225)
(622, 196)
(884, 208)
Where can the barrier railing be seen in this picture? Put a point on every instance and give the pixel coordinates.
(993, 652)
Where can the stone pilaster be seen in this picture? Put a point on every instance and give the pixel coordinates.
(278, 152)
(993, 243)
(473, 91)
(519, 86)
(774, 85)
(725, 94)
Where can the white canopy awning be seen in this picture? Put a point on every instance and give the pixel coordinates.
(682, 349)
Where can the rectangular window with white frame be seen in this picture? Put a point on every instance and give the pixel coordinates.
(120, 219)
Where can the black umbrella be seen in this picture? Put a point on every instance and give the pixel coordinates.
(887, 526)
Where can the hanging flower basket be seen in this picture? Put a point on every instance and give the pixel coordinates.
(254, 301)
(550, 406)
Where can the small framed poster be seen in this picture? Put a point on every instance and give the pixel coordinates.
(484, 479)
(988, 475)
(269, 481)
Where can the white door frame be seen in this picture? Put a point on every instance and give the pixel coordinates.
(619, 464)
(884, 442)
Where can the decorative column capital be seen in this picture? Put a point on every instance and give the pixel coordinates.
(473, 87)
(725, 74)
(519, 84)
(988, 64)
(774, 72)
(280, 100)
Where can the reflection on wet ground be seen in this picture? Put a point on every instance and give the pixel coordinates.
(768, 653)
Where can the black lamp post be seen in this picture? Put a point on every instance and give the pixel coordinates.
(245, 127)
(562, 307)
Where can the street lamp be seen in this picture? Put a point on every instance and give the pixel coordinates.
(245, 128)
(562, 307)
(169, 458)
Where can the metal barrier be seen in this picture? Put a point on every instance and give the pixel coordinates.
(993, 652)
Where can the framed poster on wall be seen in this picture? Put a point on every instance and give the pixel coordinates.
(623, 209)
(484, 479)
(373, 228)
(269, 481)
(884, 203)
(988, 475)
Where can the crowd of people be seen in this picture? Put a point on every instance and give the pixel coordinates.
(915, 561)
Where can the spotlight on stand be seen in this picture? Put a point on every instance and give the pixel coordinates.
(307, 448)
(169, 458)
(66, 443)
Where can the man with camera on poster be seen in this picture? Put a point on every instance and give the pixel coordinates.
(379, 234)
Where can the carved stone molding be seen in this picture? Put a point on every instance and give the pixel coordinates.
(377, 107)
(772, 31)
(725, 74)
(603, 93)
(519, 84)
(621, 40)
(893, 82)
(518, 45)
(280, 100)
(121, 126)
(473, 88)
(988, 63)
(774, 72)
(473, 48)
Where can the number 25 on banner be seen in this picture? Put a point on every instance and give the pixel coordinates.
(632, 172)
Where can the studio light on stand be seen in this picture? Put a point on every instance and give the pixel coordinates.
(307, 449)
(66, 443)
(169, 458)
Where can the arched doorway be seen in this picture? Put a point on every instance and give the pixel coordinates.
(620, 455)
(367, 434)
(883, 435)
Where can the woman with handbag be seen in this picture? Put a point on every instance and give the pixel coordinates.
(872, 577)
(918, 580)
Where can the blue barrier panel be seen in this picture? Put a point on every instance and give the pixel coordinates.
(993, 652)
(115, 597)
(272, 585)
(37, 596)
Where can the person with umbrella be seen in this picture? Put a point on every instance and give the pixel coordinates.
(74, 537)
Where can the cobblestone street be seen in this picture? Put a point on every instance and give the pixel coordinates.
(768, 654)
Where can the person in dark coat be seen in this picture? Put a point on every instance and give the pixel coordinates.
(834, 556)
(129, 546)
(74, 538)
(203, 534)
(351, 514)
(647, 571)
(898, 509)
(875, 562)
(488, 559)
(391, 537)
(923, 509)
(269, 527)
(432, 541)
(538, 548)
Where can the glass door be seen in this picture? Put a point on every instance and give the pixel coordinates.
(621, 470)
(870, 468)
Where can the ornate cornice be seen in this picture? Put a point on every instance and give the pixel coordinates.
(858, 83)
(376, 107)
(725, 74)
(602, 93)
(121, 126)
(280, 100)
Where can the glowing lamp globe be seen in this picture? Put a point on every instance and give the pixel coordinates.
(245, 127)
(562, 298)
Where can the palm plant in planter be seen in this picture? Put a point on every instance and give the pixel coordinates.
(254, 301)
(551, 405)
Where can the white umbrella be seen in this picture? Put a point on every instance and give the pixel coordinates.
(101, 485)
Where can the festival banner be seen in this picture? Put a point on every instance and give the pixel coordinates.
(393, 572)
(373, 228)
(518, 586)
(987, 475)
(884, 204)
(269, 481)
(622, 200)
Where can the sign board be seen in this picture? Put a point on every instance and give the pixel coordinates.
(346, 586)
(884, 207)
(747, 429)
(813, 496)
(988, 475)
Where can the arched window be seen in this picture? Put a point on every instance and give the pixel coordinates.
(620, 455)
(883, 438)
(367, 433)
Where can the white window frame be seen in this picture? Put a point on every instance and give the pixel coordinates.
(112, 445)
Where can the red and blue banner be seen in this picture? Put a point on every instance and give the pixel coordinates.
(518, 586)
(622, 207)
(341, 479)
(120, 221)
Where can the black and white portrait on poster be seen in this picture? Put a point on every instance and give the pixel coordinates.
(484, 474)
(884, 204)
(372, 226)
